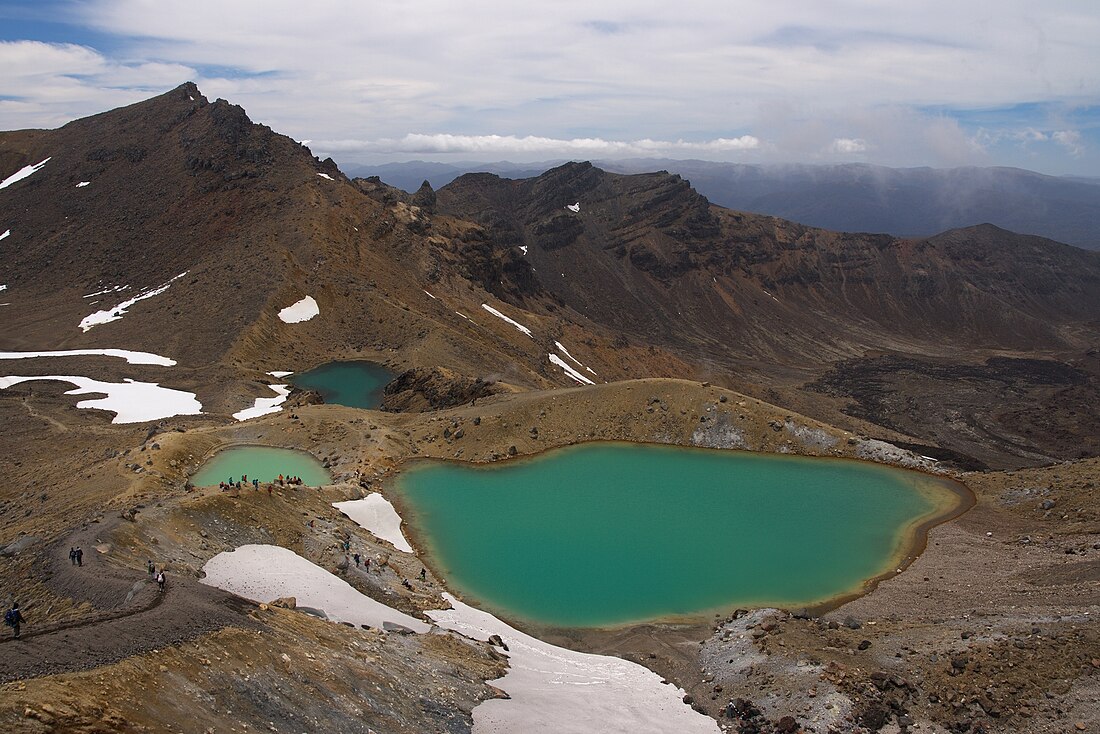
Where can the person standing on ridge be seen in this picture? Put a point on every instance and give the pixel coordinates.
(13, 618)
(160, 580)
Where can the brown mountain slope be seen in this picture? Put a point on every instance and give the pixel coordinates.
(647, 255)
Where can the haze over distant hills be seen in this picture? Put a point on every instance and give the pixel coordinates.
(907, 202)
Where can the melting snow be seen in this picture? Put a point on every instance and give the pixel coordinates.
(431, 296)
(131, 357)
(130, 401)
(375, 513)
(464, 316)
(553, 689)
(325, 175)
(114, 314)
(499, 315)
(303, 310)
(266, 572)
(6, 233)
(263, 406)
(115, 289)
(523, 249)
(3, 287)
(575, 208)
(280, 373)
(569, 370)
(21, 174)
(82, 184)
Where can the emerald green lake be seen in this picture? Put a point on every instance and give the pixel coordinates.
(606, 534)
(354, 384)
(265, 463)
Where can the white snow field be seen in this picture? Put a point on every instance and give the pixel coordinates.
(131, 357)
(558, 691)
(264, 573)
(130, 401)
(499, 315)
(21, 174)
(302, 310)
(375, 513)
(263, 406)
(116, 313)
(280, 373)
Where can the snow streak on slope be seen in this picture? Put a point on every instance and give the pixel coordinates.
(263, 406)
(116, 313)
(21, 174)
(499, 315)
(131, 357)
(569, 370)
(130, 401)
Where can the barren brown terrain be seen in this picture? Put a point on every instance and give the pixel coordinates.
(971, 353)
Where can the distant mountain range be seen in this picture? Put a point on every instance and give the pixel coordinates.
(906, 202)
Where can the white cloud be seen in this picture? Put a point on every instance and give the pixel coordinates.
(848, 146)
(1069, 139)
(444, 143)
(692, 77)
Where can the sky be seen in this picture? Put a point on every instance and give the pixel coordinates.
(890, 82)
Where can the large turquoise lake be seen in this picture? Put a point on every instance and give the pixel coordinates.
(608, 534)
(354, 384)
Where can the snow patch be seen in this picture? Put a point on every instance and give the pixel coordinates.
(555, 690)
(22, 173)
(3, 287)
(280, 373)
(569, 370)
(130, 401)
(523, 249)
(82, 184)
(114, 289)
(303, 310)
(264, 573)
(114, 314)
(7, 232)
(263, 406)
(325, 175)
(575, 208)
(499, 315)
(431, 296)
(131, 357)
(375, 513)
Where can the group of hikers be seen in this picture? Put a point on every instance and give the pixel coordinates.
(281, 481)
(76, 556)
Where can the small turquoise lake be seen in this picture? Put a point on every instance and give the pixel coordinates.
(356, 384)
(607, 534)
(265, 463)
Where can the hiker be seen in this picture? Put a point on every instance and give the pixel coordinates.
(356, 557)
(72, 555)
(255, 483)
(280, 480)
(423, 574)
(79, 556)
(160, 580)
(347, 545)
(13, 618)
(406, 584)
(152, 569)
(366, 564)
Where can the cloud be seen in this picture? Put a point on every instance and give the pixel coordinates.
(1069, 139)
(444, 143)
(613, 72)
(848, 146)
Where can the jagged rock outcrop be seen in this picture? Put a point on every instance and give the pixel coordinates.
(434, 388)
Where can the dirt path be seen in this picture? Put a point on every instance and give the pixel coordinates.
(131, 615)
